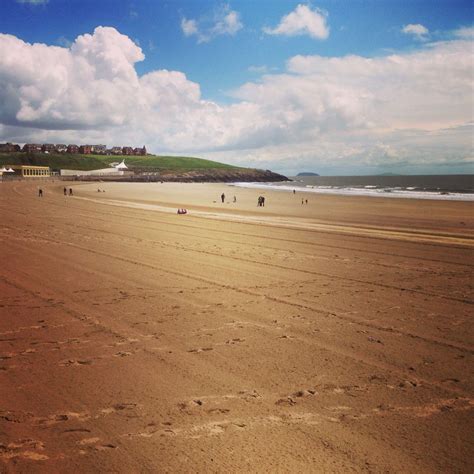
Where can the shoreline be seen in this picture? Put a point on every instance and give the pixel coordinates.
(364, 191)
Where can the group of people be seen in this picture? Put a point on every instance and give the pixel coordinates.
(65, 191)
(223, 198)
(261, 201)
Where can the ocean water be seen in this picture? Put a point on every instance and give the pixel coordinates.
(443, 187)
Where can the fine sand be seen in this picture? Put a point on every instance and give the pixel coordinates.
(332, 336)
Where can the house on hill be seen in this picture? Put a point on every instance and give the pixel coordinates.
(127, 150)
(85, 149)
(116, 150)
(48, 148)
(99, 149)
(72, 149)
(61, 148)
(32, 148)
(9, 147)
(140, 151)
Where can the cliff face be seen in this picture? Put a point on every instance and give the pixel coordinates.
(196, 176)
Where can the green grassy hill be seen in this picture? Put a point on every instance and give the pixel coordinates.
(94, 162)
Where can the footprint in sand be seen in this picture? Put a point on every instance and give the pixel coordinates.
(88, 442)
(23, 448)
(201, 349)
(118, 407)
(219, 411)
(123, 354)
(290, 400)
(235, 341)
(63, 417)
(70, 362)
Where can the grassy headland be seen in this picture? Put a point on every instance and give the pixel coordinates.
(150, 167)
(95, 162)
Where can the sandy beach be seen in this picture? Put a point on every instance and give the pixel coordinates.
(332, 336)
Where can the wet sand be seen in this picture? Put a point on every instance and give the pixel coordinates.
(329, 337)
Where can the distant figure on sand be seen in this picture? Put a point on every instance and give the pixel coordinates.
(306, 201)
(235, 199)
(70, 191)
(65, 191)
(40, 193)
(261, 201)
(302, 201)
(294, 192)
(222, 197)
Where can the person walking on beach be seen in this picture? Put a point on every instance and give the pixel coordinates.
(222, 198)
(65, 191)
(294, 191)
(70, 191)
(302, 201)
(306, 201)
(263, 201)
(235, 199)
(40, 193)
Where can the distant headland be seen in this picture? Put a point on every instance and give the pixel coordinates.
(307, 173)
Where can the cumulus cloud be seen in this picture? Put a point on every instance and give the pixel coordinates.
(224, 21)
(418, 31)
(333, 111)
(92, 83)
(302, 21)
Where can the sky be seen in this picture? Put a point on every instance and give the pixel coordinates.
(336, 87)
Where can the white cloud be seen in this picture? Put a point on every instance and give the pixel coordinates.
(420, 32)
(331, 111)
(229, 24)
(302, 21)
(33, 2)
(189, 27)
(224, 21)
(258, 69)
(465, 32)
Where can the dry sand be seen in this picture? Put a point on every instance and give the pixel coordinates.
(331, 337)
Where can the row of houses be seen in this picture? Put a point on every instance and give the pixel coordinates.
(72, 149)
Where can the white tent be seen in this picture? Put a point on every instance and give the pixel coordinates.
(9, 170)
(121, 166)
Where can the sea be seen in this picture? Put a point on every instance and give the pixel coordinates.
(439, 187)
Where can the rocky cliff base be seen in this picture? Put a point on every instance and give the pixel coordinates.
(197, 176)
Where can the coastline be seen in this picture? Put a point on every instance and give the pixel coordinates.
(334, 335)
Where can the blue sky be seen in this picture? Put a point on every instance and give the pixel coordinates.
(238, 52)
